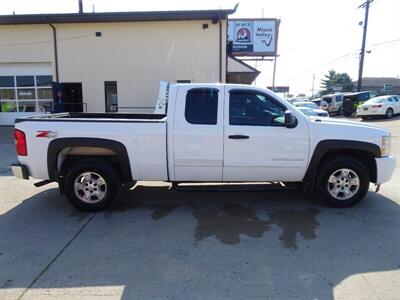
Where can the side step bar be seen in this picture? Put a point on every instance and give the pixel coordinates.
(233, 187)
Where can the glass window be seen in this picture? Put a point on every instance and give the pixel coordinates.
(338, 98)
(7, 81)
(27, 106)
(25, 81)
(327, 99)
(27, 94)
(45, 93)
(44, 80)
(7, 94)
(202, 106)
(247, 108)
(8, 106)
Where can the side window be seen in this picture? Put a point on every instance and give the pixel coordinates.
(338, 98)
(201, 106)
(246, 108)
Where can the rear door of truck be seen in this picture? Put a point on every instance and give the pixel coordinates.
(198, 133)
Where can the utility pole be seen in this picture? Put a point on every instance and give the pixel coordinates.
(312, 90)
(365, 5)
(273, 75)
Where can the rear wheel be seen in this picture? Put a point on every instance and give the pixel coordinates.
(365, 117)
(91, 185)
(389, 113)
(342, 182)
(340, 111)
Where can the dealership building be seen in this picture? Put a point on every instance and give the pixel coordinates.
(109, 62)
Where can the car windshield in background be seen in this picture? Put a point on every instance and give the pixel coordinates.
(327, 99)
(306, 104)
(308, 111)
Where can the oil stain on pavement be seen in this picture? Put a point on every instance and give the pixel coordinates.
(229, 222)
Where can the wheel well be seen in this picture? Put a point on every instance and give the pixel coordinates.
(365, 157)
(64, 152)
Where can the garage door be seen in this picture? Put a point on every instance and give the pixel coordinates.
(25, 90)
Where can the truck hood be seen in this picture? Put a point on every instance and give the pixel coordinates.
(339, 129)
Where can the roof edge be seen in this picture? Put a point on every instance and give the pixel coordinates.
(131, 16)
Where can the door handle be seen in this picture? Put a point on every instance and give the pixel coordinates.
(238, 137)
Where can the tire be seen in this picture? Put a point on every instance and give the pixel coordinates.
(365, 117)
(389, 113)
(337, 168)
(84, 186)
(340, 111)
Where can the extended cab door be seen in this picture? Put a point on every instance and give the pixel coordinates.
(257, 145)
(198, 133)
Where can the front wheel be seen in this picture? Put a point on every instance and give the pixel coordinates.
(342, 182)
(91, 185)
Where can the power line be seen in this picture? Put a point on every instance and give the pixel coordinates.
(47, 41)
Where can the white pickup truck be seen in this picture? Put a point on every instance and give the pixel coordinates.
(203, 133)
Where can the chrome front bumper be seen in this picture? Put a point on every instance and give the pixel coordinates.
(385, 167)
(20, 171)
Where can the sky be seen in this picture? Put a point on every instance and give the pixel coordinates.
(314, 35)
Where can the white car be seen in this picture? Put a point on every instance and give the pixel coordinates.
(380, 106)
(311, 105)
(311, 112)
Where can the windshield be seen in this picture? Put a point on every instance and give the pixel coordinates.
(308, 111)
(307, 104)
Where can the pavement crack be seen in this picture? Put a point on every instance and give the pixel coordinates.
(55, 257)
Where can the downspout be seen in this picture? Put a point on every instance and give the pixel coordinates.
(220, 49)
(55, 49)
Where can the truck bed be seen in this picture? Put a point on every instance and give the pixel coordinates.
(95, 117)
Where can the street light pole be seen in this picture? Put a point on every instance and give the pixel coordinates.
(312, 90)
(273, 75)
(362, 53)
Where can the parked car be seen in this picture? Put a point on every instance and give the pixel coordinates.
(332, 103)
(29, 108)
(380, 106)
(353, 100)
(203, 133)
(307, 105)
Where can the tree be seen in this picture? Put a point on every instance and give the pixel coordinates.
(334, 81)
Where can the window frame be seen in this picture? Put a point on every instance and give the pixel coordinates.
(34, 87)
(196, 90)
(254, 92)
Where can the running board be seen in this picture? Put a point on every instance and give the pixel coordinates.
(233, 187)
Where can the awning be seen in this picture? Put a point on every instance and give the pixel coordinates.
(240, 72)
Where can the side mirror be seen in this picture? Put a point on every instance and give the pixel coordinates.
(290, 119)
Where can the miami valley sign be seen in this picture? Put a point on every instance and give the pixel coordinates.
(253, 37)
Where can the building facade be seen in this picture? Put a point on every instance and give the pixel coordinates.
(100, 62)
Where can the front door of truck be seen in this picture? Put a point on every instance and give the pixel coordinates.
(198, 133)
(257, 145)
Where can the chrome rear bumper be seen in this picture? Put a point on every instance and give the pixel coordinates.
(19, 171)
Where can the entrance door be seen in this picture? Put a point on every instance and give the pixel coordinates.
(72, 96)
(257, 144)
(110, 88)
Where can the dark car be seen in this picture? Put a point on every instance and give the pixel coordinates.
(353, 100)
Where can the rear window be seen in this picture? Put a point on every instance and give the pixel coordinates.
(377, 100)
(201, 106)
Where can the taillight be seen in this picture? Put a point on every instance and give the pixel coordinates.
(20, 142)
(377, 106)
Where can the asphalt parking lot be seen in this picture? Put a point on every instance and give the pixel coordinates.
(158, 243)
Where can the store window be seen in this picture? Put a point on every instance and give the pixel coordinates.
(27, 93)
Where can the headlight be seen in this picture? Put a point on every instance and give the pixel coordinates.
(386, 144)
